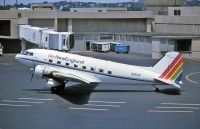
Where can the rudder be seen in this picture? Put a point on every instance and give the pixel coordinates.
(170, 67)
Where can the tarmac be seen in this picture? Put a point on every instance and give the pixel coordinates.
(30, 105)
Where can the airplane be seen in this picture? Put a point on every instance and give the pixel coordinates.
(60, 67)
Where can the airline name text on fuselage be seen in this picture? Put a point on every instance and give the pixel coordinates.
(66, 59)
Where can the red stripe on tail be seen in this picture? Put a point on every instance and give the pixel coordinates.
(170, 66)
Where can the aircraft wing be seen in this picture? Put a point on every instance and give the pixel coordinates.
(77, 77)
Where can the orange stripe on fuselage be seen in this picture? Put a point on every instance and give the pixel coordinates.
(170, 66)
(173, 70)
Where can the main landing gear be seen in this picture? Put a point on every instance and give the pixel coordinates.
(57, 89)
(56, 85)
(157, 90)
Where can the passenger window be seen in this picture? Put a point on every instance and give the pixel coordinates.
(92, 68)
(50, 61)
(58, 62)
(75, 65)
(26, 53)
(84, 67)
(109, 72)
(100, 70)
(67, 64)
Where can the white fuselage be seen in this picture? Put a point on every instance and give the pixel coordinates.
(106, 71)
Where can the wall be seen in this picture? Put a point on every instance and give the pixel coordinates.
(196, 48)
(42, 22)
(62, 25)
(109, 25)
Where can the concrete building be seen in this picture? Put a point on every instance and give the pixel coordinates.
(160, 7)
(182, 30)
(112, 25)
(142, 30)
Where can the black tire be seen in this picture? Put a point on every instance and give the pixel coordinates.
(54, 90)
(157, 90)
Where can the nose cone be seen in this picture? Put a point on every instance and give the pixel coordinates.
(24, 60)
(17, 57)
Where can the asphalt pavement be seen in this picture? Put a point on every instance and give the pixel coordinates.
(30, 105)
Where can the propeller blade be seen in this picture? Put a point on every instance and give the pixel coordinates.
(33, 71)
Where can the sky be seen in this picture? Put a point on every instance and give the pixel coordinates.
(36, 1)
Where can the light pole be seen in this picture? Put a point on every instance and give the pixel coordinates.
(16, 4)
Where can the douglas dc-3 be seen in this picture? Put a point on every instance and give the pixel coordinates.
(59, 67)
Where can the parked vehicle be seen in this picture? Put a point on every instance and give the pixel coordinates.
(100, 46)
(122, 48)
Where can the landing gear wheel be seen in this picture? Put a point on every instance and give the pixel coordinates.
(157, 90)
(54, 90)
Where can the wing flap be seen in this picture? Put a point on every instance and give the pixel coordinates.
(83, 78)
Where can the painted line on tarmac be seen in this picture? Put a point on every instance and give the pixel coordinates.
(11, 101)
(13, 68)
(159, 111)
(182, 104)
(112, 102)
(95, 105)
(35, 99)
(13, 105)
(194, 108)
(187, 77)
(5, 64)
(92, 109)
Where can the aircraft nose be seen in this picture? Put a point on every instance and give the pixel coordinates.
(17, 57)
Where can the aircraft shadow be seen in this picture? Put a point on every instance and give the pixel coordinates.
(80, 94)
(170, 91)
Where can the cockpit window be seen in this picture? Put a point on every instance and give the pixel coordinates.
(28, 53)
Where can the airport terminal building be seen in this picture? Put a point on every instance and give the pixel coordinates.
(145, 31)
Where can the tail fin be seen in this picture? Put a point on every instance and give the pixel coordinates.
(170, 68)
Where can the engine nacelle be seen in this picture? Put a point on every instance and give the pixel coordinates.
(53, 83)
(41, 71)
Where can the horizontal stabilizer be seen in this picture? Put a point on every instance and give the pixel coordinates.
(167, 82)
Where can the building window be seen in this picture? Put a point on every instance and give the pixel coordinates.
(177, 12)
(99, 10)
(129, 37)
(58, 62)
(183, 45)
(123, 37)
(148, 39)
(135, 38)
(75, 11)
(84, 67)
(106, 37)
(50, 60)
(79, 37)
(5, 27)
(142, 39)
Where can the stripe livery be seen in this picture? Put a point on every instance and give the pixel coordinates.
(174, 70)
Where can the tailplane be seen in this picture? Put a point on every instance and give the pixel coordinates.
(170, 68)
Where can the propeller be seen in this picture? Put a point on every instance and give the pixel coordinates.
(33, 69)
